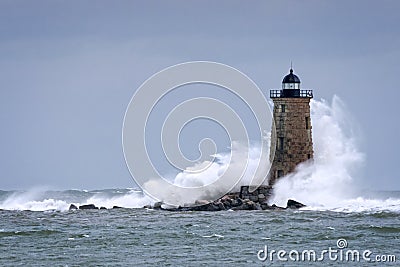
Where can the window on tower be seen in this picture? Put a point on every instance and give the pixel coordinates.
(280, 144)
(283, 108)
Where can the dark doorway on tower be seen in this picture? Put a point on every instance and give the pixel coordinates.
(279, 173)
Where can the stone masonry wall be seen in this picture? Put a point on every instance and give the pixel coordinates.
(291, 143)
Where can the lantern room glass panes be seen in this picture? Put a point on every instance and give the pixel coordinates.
(290, 86)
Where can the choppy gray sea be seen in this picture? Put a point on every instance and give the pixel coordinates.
(54, 236)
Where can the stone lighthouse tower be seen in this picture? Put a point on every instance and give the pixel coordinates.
(291, 143)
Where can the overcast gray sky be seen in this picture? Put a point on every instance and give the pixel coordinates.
(69, 68)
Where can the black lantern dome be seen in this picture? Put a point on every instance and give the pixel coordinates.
(291, 78)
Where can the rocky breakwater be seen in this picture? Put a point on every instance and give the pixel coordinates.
(245, 200)
(88, 207)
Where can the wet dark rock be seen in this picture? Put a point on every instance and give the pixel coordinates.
(103, 208)
(220, 205)
(237, 202)
(275, 207)
(157, 205)
(178, 209)
(88, 207)
(212, 206)
(293, 204)
(117, 207)
(247, 204)
(72, 207)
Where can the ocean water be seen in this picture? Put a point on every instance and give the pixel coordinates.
(36, 229)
